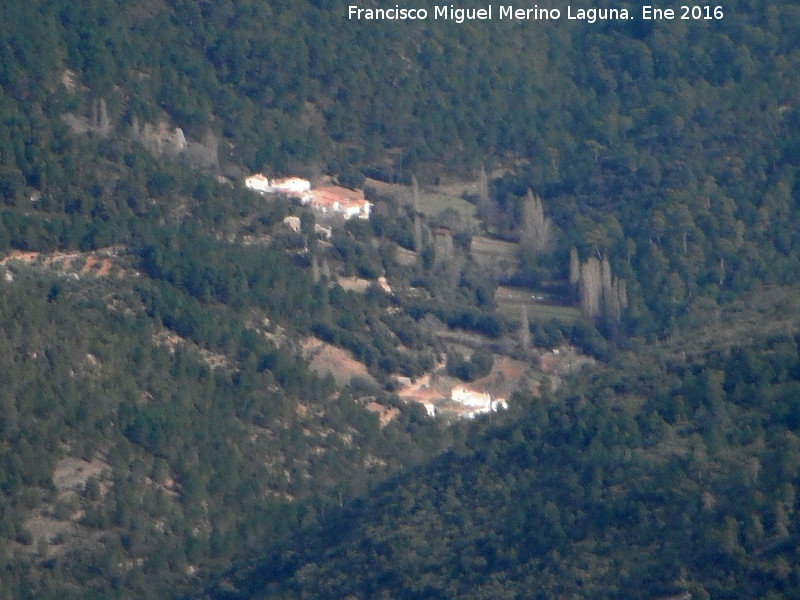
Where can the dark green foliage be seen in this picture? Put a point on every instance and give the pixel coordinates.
(670, 148)
(588, 339)
(478, 365)
(622, 160)
(555, 498)
(352, 179)
(186, 444)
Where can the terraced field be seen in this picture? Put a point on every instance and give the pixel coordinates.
(510, 302)
(432, 200)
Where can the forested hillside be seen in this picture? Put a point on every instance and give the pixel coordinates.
(647, 481)
(667, 146)
(634, 182)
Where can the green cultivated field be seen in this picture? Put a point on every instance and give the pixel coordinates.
(484, 249)
(511, 300)
(432, 201)
(496, 256)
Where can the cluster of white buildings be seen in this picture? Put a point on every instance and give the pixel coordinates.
(325, 199)
(293, 186)
(476, 403)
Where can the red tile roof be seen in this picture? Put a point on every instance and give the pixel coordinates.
(327, 197)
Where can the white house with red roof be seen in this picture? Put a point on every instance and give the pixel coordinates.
(336, 199)
(325, 199)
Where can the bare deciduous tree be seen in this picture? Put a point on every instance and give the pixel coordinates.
(601, 294)
(590, 288)
(524, 329)
(483, 188)
(574, 267)
(537, 230)
(414, 194)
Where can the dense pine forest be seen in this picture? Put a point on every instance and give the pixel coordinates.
(165, 430)
(679, 482)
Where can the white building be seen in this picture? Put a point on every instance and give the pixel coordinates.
(335, 199)
(470, 398)
(326, 199)
(258, 183)
(293, 186)
(476, 403)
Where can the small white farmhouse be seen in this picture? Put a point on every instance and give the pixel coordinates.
(293, 186)
(476, 403)
(258, 183)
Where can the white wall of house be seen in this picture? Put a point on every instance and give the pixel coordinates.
(258, 183)
(291, 185)
(470, 398)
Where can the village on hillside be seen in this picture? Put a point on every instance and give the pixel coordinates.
(439, 394)
(330, 199)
